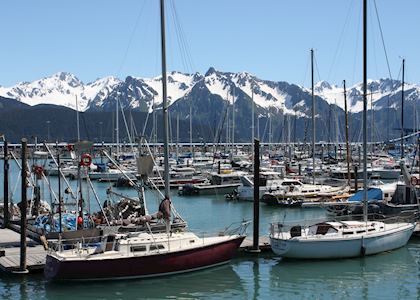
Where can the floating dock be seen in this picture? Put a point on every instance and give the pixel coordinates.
(10, 252)
(263, 244)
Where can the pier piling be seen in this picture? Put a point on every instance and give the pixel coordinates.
(6, 215)
(356, 183)
(255, 246)
(23, 206)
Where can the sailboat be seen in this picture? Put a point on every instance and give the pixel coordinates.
(144, 254)
(342, 239)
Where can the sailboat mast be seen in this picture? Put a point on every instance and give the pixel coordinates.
(365, 197)
(191, 143)
(177, 136)
(164, 103)
(117, 127)
(233, 120)
(253, 116)
(313, 117)
(77, 120)
(347, 134)
(402, 109)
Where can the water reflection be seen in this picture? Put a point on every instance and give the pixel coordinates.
(216, 283)
(21, 286)
(392, 275)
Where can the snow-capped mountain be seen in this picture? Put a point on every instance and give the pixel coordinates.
(382, 93)
(144, 93)
(210, 97)
(266, 94)
(61, 89)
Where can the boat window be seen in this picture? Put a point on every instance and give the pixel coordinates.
(295, 231)
(155, 247)
(216, 180)
(325, 228)
(263, 181)
(138, 248)
(192, 241)
(347, 232)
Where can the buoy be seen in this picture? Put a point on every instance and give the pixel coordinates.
(79, 220)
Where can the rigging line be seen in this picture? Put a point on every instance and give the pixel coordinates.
(183, 37)
(356, 44)
(317, 68)
(382, 38)
(177, 33)
(306, 70)
(339, 44)
(145, 123)
(373, 41)
(183, 42)
(130, 40)
(399, 72)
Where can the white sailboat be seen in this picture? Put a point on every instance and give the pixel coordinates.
(329, 240)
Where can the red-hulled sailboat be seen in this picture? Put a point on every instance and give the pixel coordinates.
(145, 253)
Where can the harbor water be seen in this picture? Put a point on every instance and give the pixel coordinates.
(392, 275)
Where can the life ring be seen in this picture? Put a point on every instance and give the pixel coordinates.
(86, 160)
(38, 170)
(414, 180)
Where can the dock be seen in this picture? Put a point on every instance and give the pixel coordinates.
(263, 243)
(10, 252)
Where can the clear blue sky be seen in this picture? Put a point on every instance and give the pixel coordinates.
(269, 38)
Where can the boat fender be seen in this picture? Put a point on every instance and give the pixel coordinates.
(414, 180)
(362, 249)
(44, 242)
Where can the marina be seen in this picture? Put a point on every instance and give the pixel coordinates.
(168, 187)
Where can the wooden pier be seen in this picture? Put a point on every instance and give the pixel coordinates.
(10, 252)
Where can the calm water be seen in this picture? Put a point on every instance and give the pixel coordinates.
(393, 275)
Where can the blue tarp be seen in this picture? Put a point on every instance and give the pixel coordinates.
(68, 222)
(372, 194)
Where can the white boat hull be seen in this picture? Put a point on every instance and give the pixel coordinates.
(325, 248)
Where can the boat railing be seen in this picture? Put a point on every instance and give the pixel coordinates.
(78, 245)
(235, 228)
(290, 226)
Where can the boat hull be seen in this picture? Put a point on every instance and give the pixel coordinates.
(142, 266)
(341, 248)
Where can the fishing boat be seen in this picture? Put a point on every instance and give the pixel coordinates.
(144, 254)
(334, 239)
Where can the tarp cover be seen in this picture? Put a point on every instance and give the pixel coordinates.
(372, 194)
